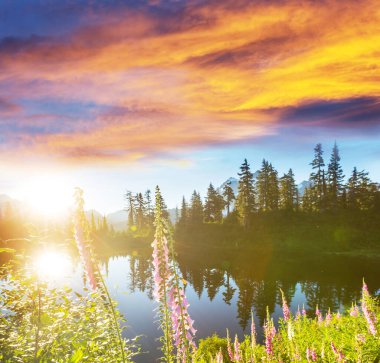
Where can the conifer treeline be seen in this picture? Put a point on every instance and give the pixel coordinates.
(326, 191)
(267, 192)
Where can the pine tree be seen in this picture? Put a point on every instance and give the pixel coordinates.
(335, 178)
(184, 218)
(361, 191)
(149, 208)
(307, 202)
(288, 191)
(140, 211)
(267, 187)
(317, 179)
(214, 205)
(229, 196)
(130, 208)
(93, 224)
(245, 203)
(196, 209)
(273, 189)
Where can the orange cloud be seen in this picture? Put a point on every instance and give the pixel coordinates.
(206, 74)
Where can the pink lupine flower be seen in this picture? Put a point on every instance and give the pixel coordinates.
(84, 252)
(318, 315)
(298, 313)
(229, 349)
(328, 317)
(303, 311)
(270, 333)
(311, 355)
(339, 354)
(219, 357)
(236, 350)
(354, 311)
(338, 316)
(285, 307)
(368, 314)
(253, 331)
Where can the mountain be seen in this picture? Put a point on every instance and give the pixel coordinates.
(302, 186)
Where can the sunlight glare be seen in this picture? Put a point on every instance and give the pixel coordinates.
(52, 265)
(49, 195)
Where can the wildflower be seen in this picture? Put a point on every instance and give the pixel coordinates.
(354, 311)
(253, 331)
(298, 313)
(270, 332)
(368, 314)
(236, 349)
(229, 349)
(328, 317)
(303, 310)
(311, 355)
(290, 331)
(219, 357)
(82, 241)
(338, 316)
(361, 338)
(318, 315)
(285, 307)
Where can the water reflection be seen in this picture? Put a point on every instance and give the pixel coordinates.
(254, 281)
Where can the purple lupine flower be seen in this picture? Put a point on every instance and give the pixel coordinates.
(308, 354)
(285, 308)
(333, 347)
(338, 316)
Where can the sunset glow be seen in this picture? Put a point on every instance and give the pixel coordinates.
(131, 83)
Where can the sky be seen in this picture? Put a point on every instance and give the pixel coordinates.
(113, 96)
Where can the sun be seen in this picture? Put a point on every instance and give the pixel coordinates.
(49, 195)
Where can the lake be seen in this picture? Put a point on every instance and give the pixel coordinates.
(224, 286)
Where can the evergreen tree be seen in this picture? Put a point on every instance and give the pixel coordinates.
(149, 208)
(163, 207)
(307, 201)
(140, 211)
(183, 219)
(196, 209)
(273, 189)
(335, 178)
(245, 203)
(214, 205)
(229, 196)
(267, 187)
(317, 178)
(104, 225)
(130, 208)
(361, 191)
(288, 191)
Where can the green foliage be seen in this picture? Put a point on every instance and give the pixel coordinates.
(209, 347)
(43, 324)
(334, 338)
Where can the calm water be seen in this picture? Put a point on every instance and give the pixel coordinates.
(224, 287)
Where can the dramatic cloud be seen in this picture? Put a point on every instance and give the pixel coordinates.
(115, 82)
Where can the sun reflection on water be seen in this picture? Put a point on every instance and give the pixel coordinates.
(52, 265)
